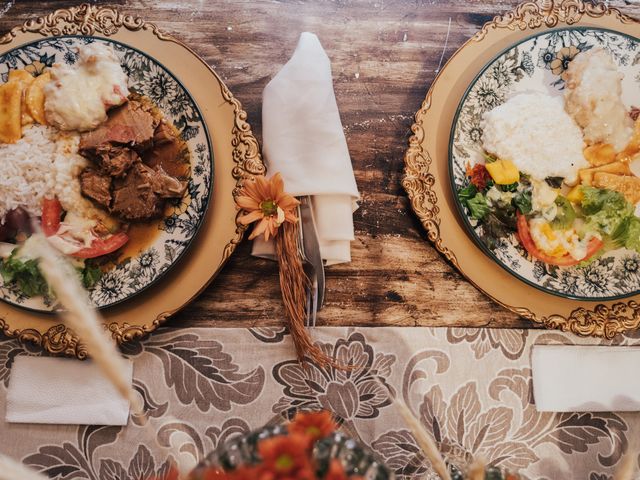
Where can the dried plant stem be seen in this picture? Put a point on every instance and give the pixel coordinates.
(11, 469)
(425, 442)
(293, 285)
(85, 321)
(627, 466)
(476, 470)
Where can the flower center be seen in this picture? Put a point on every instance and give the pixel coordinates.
(314, 431)
(284, 463)
(269, 208)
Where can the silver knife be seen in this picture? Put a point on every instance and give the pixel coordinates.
(311, 244)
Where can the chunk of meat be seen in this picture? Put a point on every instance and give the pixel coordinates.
(134, 198)
(169, 157)
(96, 186)
(116, 160)
(164, 133)
(129, 124)
(165, 186)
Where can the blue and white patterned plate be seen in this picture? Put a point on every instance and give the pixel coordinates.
(177, 230)
(536, 63)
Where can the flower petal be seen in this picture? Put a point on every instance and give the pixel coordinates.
(250, 217)
(271, 230)
(290, 217)
(263, 188)
(247, 203)
(286, 201)
(250, 189)
(259, 229)
(277, 186)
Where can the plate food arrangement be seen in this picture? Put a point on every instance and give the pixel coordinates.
(192, 229)
(106, 152)
(543, 160)
(520, 178)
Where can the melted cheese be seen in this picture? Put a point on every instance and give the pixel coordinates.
(78, 96)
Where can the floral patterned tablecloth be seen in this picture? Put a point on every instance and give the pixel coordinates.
(470, 387)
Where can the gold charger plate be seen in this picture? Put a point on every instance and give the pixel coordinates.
(426, 178)
(235, 150)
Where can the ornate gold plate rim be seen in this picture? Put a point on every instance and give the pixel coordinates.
(240, 160)
(425, 169)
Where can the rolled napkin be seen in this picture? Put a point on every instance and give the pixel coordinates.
(304, 141)
(585, 378)
(63, 391)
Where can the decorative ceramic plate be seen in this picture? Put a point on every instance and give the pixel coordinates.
(171, 236)
(236, 153)
(429, 186)
(538, 64)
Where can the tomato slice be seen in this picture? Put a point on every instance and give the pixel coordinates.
(567, 260)
(103, 246)
(51, 213)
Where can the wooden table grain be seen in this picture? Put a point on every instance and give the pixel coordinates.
(384, 55)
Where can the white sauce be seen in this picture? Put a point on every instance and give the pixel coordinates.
(594, 99)
(543, 199)
(78, 96)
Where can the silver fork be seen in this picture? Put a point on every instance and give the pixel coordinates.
(311, 303)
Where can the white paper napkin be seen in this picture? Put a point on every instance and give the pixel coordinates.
(63, 391)
(304, 141)
(585, 378)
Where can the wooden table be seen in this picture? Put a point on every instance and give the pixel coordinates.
(384, 54)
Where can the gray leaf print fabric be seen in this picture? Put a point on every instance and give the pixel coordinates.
(471, 388)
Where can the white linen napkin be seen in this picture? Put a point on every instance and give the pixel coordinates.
(63, 391)
(304, 141)
(585, 378)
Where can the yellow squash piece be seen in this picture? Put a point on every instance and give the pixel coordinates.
(35, 98)
(10, 124)
(575, 195)
(25, 79)
(599, 154)
(503, 172)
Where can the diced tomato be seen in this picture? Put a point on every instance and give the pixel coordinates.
(479, 176)
(51, 213)
(103, 246)
(567, 260)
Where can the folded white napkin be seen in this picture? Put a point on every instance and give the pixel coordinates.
(304, 141)
(585, 378)
(63, 391)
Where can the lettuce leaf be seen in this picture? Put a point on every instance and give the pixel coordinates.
(605, 210)
(478, 206)
(25, 274)
(566, 214)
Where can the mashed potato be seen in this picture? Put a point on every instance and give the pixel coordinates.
(534, 131)
(594, 99)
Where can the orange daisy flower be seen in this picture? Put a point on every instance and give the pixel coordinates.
(266, 201)
(285, 457)
(313, 425)
(336, 472)
(242, 473)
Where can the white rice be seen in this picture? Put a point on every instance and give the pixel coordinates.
(42, 164)
(27, 171)
(533, 131)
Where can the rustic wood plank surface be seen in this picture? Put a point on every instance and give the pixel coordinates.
(384, 55)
